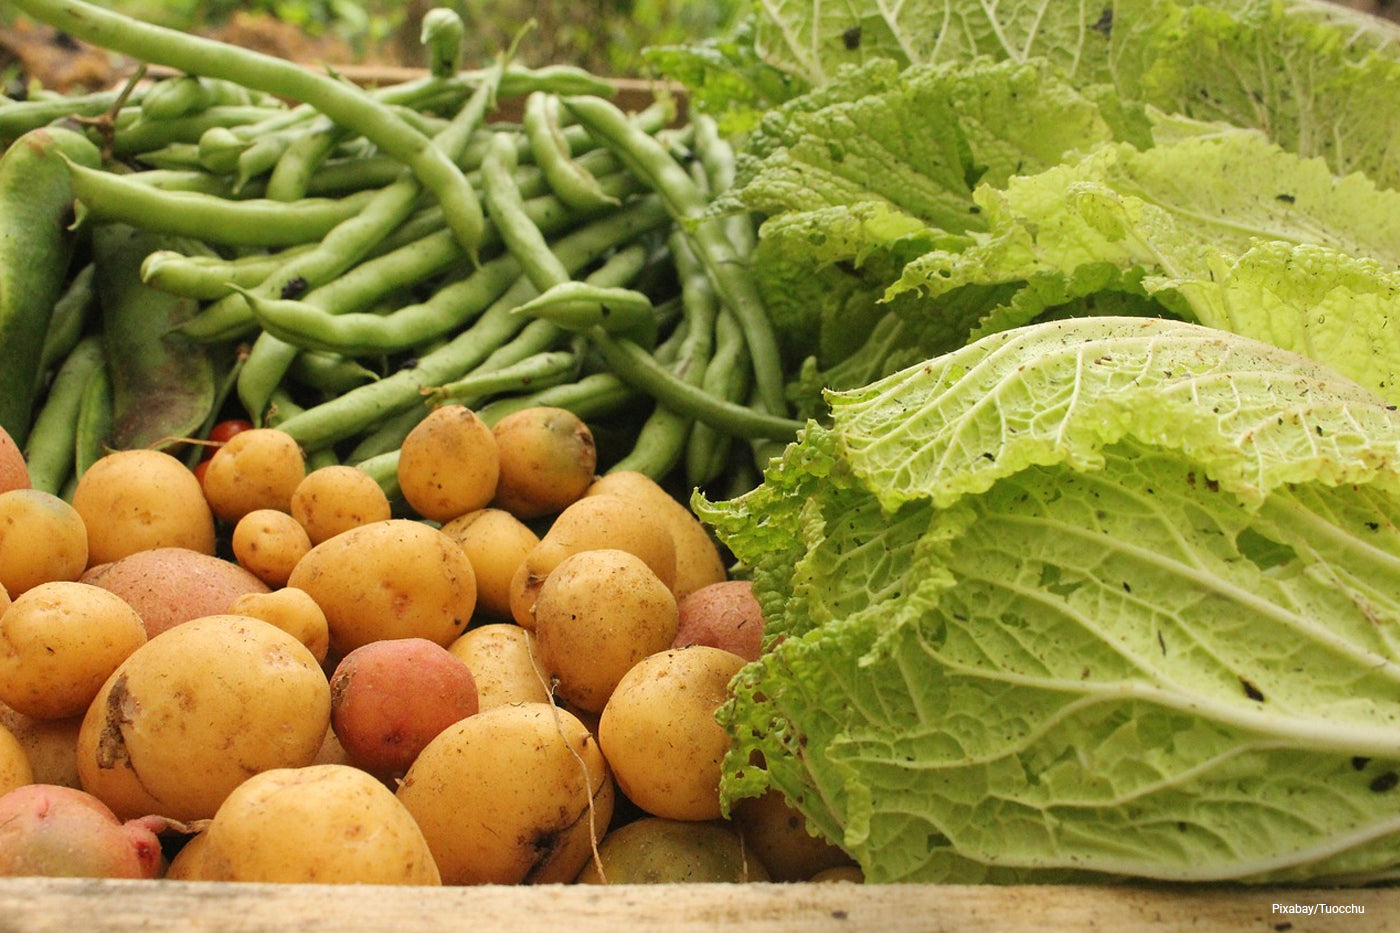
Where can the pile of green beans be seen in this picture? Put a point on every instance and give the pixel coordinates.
(352, 257)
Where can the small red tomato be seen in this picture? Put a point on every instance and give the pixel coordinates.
(201, 468)
(221, 433)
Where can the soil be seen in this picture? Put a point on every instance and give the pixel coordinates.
(39, 53)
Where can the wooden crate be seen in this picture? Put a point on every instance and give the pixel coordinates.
(33, 905)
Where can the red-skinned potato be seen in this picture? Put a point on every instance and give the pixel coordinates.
(391, 698)
(722, 615)
(168, 586)
(14, 472)
(60, 832)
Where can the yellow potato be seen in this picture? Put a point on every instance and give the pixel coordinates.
(193, 713)
(392, 579)
(547, 458)
(332, 499)
(256, 469)
(539, 796)
(659, 732)
(599, 613)
(268, 544)
(502, 658)
(59, 642)
(50, 744)
(699, 560)
(448, 464)
(590, 523)
(328, 824)
(294, 612)
(188, 863)
(15, 770)
(136, 500)
(496, 543)
(777, 835)
(42, 539)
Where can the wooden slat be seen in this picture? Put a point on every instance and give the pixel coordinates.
(29, 905)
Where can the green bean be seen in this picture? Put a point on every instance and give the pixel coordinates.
(345, 104)
(315, 323)
(350, 240)
(636, 366)
(94, 422)
(543, 369)
(388, 435)
(441, 34)
(593, 396)
(579, 306)
(185, 179)
(384, 470)
(406, 264)
(329, 373)
(650, 160)
(71, 313)
(301, 159)
(727, 376)
(134, 136)
(175, 97)
(475, 346)
(18, 117)
(113, 198)
(574, 184)
(506, 209)
(52, 441)
(208, 278)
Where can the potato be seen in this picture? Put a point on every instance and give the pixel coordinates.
(14, 472)
(188, 863)
(59, 642)
(42, 539)
(390, 698)
(653, 850)
(51, 745)
(850, 874)
(60, 832)
(15, 770)
(777, 835)
(502, 657)
(588, 524)
(168, 586)
(336, 498)
(328, 824)
(539, 796)
(192, 714)
(547, 460)
(391, 579)
(659, 734)
(699, 560)
(722, 615)
(293, 611)
(599, 613)
(448, 464)
(496, 543)
(268, 543)
(255, 469)
(136, 500)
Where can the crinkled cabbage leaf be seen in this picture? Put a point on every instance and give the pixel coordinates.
(1098, 598)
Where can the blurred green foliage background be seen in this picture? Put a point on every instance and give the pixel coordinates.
(605, 36)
